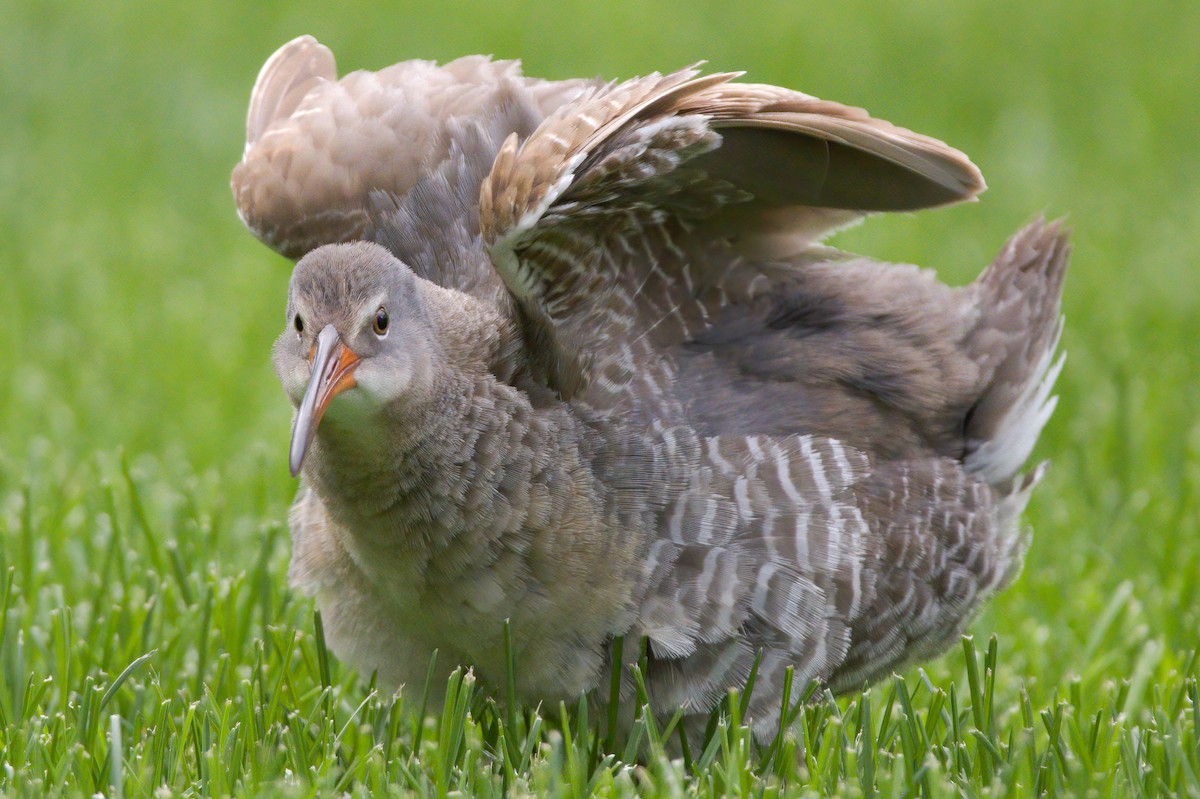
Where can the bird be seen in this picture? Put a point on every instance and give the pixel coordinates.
(571, 364)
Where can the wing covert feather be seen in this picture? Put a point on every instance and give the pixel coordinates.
(572, 215)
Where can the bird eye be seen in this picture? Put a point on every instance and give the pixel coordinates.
(380, 324)
(299, 323)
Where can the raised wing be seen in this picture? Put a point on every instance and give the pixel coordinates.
(814, 165)
(318, 148)
(619, 212)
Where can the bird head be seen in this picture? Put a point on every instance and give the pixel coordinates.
(357, 340)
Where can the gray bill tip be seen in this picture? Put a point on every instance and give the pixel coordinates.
(333, 366)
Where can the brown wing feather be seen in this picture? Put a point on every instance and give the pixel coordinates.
(587, 219)
(528, 177)
(814, 166)
(289, 74)
(318, 147)
(929, 172)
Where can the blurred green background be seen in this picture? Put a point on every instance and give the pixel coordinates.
(137, 314)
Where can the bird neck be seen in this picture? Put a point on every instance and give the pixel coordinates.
(422, 476)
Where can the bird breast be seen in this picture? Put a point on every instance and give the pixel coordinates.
(472, 510)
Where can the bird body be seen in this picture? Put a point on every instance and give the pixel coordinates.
(583, 367)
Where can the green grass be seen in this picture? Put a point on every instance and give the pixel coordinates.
(149, 646)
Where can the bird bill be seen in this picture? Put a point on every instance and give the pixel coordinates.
(333, 365)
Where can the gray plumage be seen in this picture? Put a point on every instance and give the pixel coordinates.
(588, 370)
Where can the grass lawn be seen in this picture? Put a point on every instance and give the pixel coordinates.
(149, 644)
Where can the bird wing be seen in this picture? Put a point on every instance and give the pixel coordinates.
(319, 149)
(601, 221)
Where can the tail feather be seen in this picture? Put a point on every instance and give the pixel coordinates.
(1019, 298)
